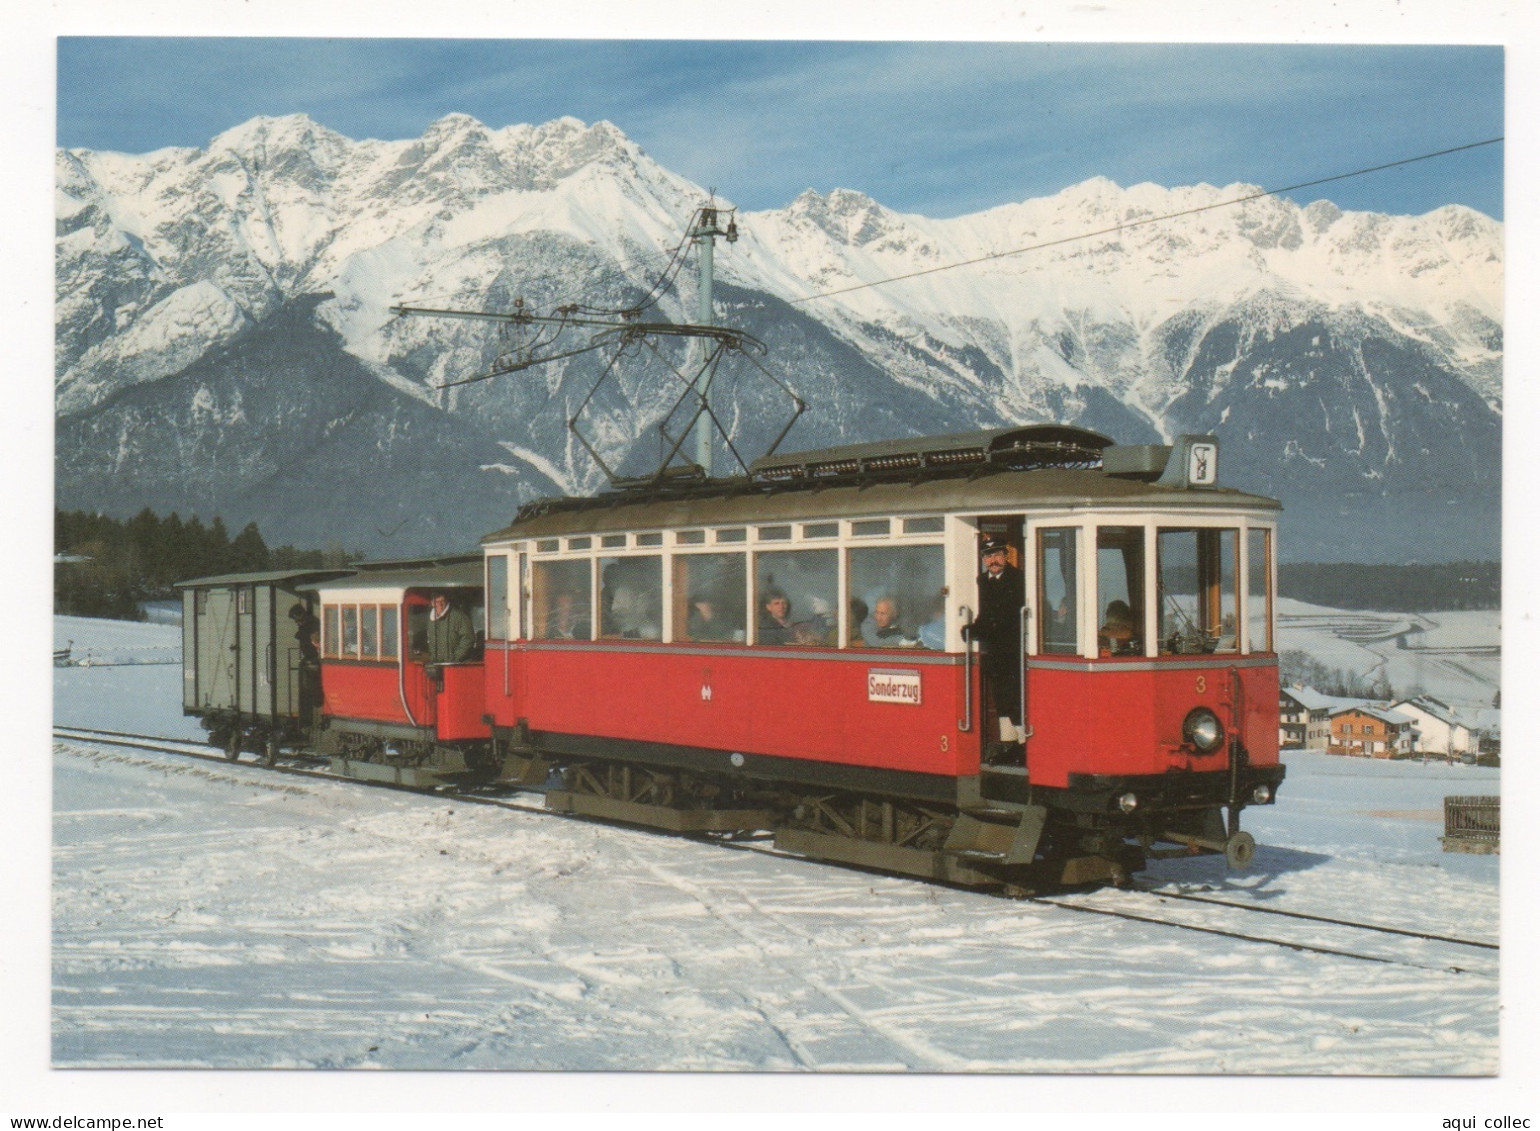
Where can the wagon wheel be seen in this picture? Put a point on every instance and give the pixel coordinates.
(233, 744)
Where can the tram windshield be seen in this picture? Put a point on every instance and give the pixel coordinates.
(1259, 590)
(1196, 582)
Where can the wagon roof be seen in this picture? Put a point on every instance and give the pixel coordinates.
(290, 578)
(747, 502)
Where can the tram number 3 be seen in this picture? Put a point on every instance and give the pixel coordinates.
(946, 743)
(1202, 684)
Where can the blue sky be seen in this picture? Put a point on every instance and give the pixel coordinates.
(936, 128)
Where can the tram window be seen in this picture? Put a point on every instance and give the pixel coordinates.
(870, 527)
(612, 541)
(548, 545)
(497, 595)
(735, 534)
(690, 537)
(1259, 595)
(924, 525)
(331, 637)
(350, 630)
(579, 543)
(368, 631)
(631, 597)
(1196, 580)
(1120, 590)
(709, 593)
(898, 592)
(390, 632)
(1058, 622)
(795, 595)
(821, 530)
(774, 533)
(561, 594)
(654, 539)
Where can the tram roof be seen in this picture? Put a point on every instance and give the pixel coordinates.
(745, 501)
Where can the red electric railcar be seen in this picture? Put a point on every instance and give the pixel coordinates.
(787, 651)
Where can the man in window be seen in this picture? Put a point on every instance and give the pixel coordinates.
(450, 638)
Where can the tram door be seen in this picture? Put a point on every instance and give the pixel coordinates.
(1001, 624)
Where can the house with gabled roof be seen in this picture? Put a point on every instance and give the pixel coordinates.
(1304, 718)
(1443, 729)
(1375, 732)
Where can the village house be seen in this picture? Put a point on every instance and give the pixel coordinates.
(1441, 729)
(1304, 718)
(1375, 732)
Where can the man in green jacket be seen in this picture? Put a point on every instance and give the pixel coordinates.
(450, 637)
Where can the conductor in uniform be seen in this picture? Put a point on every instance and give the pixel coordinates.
(997, 628)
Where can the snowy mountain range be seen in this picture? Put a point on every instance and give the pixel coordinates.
(225, 343)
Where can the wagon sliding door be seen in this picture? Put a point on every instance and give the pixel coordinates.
(219, 639)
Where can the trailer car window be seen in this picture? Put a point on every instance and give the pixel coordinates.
(390, 632)
(368, 631)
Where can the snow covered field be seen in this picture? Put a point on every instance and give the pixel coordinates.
(1455, 656)
(210, 915)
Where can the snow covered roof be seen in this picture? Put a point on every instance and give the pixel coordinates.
(1309, 698)
(1384, 714)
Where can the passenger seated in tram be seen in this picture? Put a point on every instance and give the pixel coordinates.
(859, 611)
(932, 633)
(567, 622)
(706, 623)
(775, 625)
(1116, 636)
(883, 629)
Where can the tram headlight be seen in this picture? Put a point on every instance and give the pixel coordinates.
(1128, 802)
(1203, 729)
(1261, 795)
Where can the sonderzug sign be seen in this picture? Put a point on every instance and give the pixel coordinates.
(891, 685)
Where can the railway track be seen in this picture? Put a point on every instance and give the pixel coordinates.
(1304, 932)
(1312, 934)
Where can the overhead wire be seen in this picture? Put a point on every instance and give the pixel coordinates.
(1123, 227)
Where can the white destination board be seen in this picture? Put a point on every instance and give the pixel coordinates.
(893, 685)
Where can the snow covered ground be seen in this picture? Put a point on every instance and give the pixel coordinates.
(215, 915)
